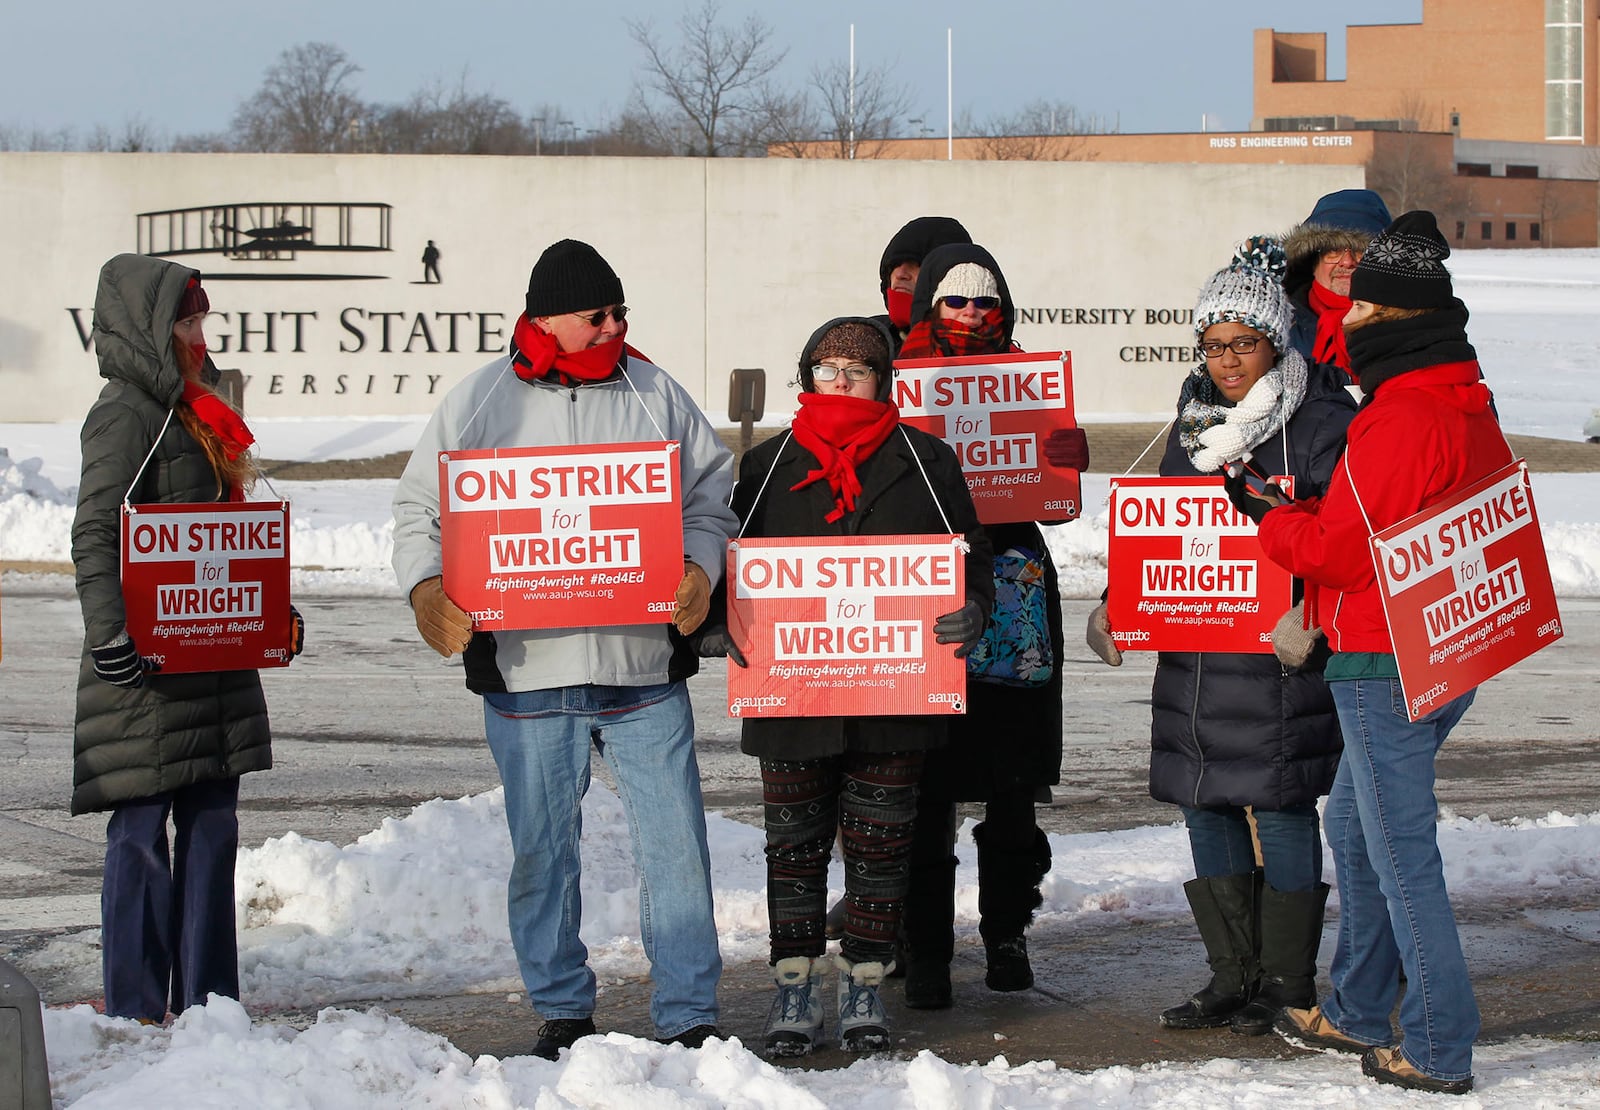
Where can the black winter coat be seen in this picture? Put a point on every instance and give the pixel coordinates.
(1010, 738)
(894, 500)
(175, 730)
(1242, 729)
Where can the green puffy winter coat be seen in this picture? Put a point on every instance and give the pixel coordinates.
(175, 730)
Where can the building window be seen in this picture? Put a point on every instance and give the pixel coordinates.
(1533, 232)
(1486, 232)
(1511, 232)
(1521, 171)
(1461, 231)
(1563, 69)
(1472, 169)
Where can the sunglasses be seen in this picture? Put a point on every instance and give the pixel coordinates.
(1239, 345)
(1342, 252)
(855, 372)
(598, 316)
(982, 304)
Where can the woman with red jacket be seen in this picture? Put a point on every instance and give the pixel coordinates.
(1426, 430)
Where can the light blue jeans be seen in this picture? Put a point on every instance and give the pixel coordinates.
(1382, 824)
(541, 742)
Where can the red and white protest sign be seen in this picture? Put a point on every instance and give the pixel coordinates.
(843, 626)
(1186, 570)
(205, 586)
(996, 411)
(562, 537)
(1466, 589)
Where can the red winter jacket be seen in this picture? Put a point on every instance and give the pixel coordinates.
(1423, 435)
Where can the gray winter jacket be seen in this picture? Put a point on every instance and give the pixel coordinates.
(175, 730)
(494, 408)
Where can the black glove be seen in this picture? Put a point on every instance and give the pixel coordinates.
(120, 664)
(712, 640)
(1067, 448)
(297, 632)
(1252, 504)
(964, 627)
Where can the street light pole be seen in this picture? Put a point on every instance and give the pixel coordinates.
(566, 143)
(538, 135)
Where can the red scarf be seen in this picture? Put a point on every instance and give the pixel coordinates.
(534, 353)
(841, 432)
(220, 417)
(1330, 308)
(951, 339)
(898, 302)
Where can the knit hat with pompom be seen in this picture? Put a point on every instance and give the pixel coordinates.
(1249, 290)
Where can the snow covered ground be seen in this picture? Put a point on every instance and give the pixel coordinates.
(323, 924)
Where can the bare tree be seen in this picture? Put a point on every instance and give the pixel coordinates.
(305, 104)
(863, 119)
(1406, 172)
(135, 137)
(700, 97)
(36, 138)
(454, 121)
(1041, 130)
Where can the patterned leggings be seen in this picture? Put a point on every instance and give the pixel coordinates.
(870, 800)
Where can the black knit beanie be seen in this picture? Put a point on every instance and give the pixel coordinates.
(193, 301)
(913, 242)
(569, 277)
(1404, 266)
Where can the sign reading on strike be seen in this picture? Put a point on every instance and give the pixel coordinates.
(1466, 589)
(1186, 570)
(206, 586)
(997, 411)
(843, 626)
(562, 537)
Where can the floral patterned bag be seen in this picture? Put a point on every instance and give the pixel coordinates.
(1015, 648)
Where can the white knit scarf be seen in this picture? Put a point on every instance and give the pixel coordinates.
(1214, 434)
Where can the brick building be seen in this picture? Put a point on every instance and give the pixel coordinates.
(1486, 111)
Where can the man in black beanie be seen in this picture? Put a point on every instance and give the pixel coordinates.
(553, 694)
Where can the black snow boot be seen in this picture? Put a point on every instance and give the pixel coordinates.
(1008, 895)
(1225, 910)
(927, 932)
(1291, 933)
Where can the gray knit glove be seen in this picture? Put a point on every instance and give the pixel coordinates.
(1292, 642)
(1098, 636)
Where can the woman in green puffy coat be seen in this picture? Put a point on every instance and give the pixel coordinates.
(148, 745)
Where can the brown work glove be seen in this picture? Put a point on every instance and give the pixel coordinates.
(445, 627)
(1292, 641)
(1098, 636)
(694, 598)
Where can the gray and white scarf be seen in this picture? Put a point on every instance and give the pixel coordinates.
(1213, 433)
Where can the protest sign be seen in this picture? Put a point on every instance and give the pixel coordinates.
(843, 626)
(562, 537)
(1466, 589)
(1186, 570)
(997, 411)
(205, 586)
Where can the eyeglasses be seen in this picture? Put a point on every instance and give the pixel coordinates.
(1239, 345)
(1334, 256)
(982, 304)
(856, 372)
(594, 319)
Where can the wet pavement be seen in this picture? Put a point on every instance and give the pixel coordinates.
(369, 723)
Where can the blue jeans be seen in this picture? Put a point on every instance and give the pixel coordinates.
(1291, 844)
(541, 741)
(1382, 824)
(166, 923)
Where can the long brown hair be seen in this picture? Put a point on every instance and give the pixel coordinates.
(237, 472)
(1382, 312)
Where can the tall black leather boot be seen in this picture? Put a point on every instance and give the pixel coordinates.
(1291, 933)
(1008, 895)
(928, 918)
(1225, 910)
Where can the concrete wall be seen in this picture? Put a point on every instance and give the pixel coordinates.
(726, 263)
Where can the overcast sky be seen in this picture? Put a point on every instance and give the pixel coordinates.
(1140, 65)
